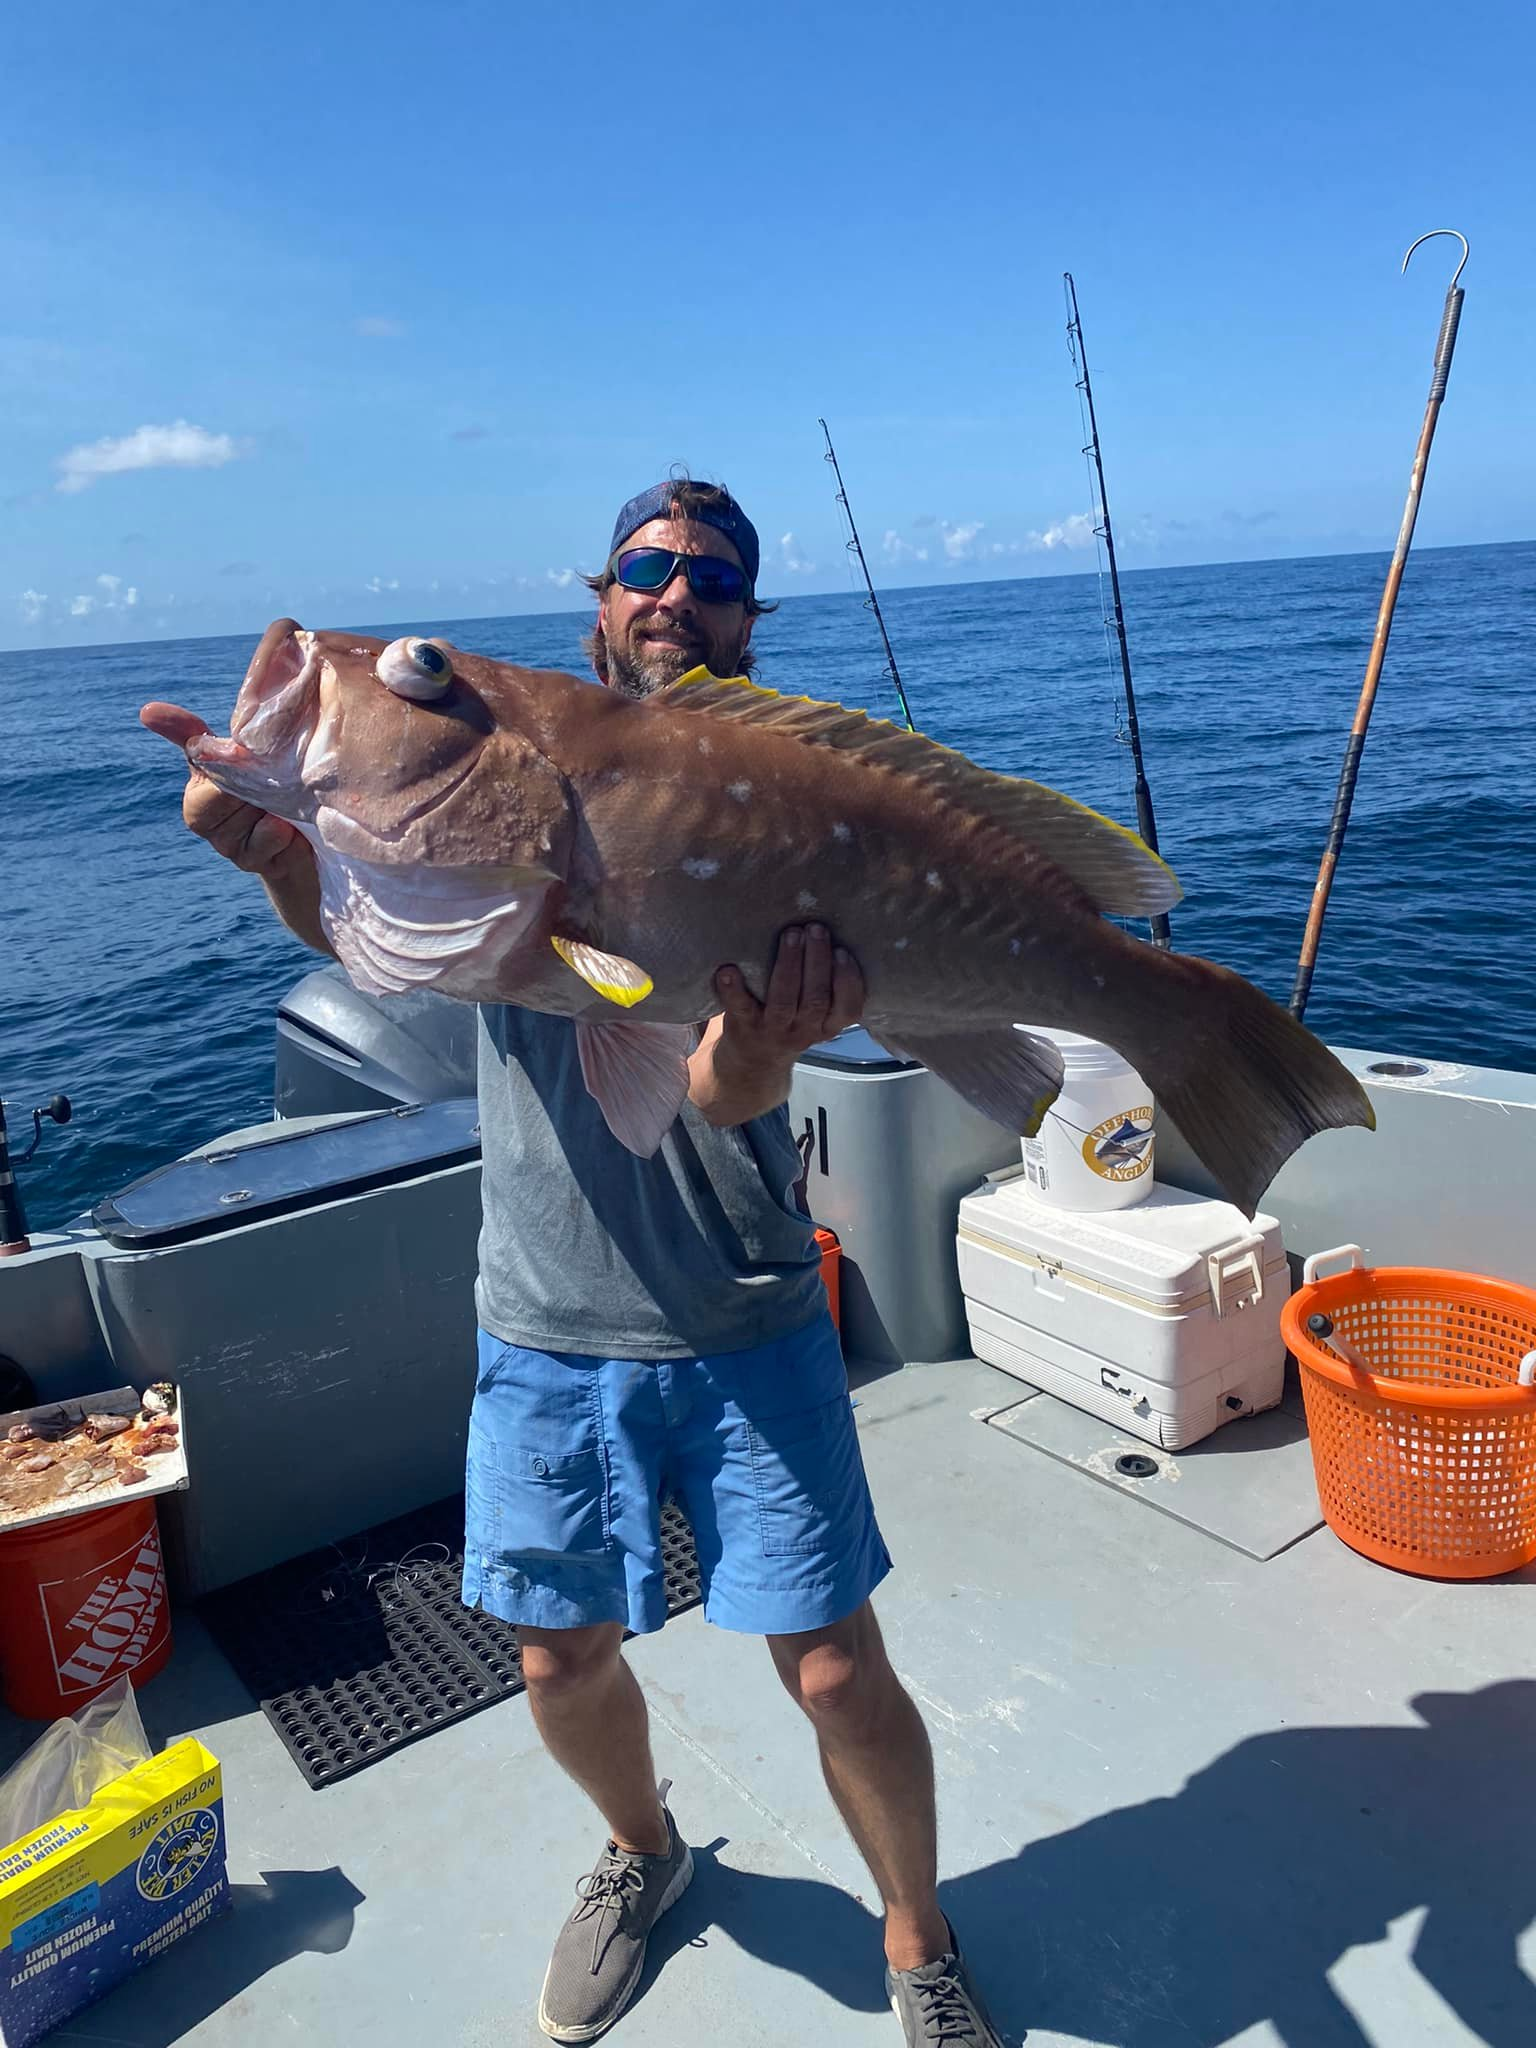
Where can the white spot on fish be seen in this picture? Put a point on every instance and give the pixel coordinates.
(357, 650)
(932, 878)
(842, 831)
(705, 746)
(1015, 947)
(1098, 981)
(701, 870)
(901, 945)
(806, 900)
(740, 790)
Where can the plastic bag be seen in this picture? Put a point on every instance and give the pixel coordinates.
(71, 1760)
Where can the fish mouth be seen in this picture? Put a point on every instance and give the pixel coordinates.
(273, 720)
(278, 688)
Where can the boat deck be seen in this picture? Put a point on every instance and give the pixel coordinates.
(1190, 1797)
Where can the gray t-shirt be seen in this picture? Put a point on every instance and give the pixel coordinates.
(585, 1248)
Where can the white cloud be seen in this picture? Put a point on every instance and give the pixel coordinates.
(562, 579)
(898, 550)
(377, 585)
(81, 607)
(791, 560)
(178, 446)
(109, 584)
(378, 328)
(1073, 532)
(131, 595)
(32, 604)
(960, 540)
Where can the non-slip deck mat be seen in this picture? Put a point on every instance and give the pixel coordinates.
(359, 1649)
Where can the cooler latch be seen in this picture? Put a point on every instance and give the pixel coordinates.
(1237, 1275)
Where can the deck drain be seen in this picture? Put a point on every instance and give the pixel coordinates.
(357, 1650)
(1136, 1465)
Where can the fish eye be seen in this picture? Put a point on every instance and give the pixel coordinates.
(418, 669)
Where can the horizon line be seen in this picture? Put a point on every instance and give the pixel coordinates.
(886, 589)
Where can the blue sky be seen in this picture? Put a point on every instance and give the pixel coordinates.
(371, 311)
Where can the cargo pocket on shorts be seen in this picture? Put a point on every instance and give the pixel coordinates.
(808, 1478)
(551, 1506)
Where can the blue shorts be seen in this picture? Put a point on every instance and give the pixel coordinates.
(571, 1459)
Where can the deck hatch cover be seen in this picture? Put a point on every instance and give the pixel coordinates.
(220, 1190)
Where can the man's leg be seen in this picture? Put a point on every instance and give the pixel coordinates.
(590, 1711)
(879, 1770)
(591, 1714)
(561, 1540)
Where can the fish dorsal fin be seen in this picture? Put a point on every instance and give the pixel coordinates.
(1115, 867)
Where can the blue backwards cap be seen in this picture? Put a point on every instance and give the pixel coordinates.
(656, 503)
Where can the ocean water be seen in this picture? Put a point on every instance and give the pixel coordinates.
(139, 973)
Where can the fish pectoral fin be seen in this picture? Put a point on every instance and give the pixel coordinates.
(620, 980)
(1008, 1075)
(638, 1075)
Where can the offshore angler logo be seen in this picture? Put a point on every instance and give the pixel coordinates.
(108, 1620)
(1120, 1148)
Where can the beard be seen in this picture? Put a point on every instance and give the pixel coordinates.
(645, 667)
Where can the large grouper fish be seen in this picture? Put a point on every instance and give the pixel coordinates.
(510, 835)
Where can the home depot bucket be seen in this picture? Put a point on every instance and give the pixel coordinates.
(82, 1600)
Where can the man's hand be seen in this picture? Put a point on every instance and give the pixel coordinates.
(743, 1065)
(248, 837)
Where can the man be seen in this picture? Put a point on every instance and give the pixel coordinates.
(656, 1327)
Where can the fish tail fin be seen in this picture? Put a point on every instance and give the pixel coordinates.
(1246, 1084)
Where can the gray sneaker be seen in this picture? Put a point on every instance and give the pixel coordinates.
(939, 2006)
(600, 1951)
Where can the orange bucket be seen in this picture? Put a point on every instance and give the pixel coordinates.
(82, 1600)
(1425, 1453)
(831, 1272)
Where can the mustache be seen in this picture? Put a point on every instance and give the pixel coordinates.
(673, 632)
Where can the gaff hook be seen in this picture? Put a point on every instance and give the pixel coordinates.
(1465, 249)
(1444, 349)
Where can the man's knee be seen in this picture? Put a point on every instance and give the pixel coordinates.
(840, 1676)
(560, 1663)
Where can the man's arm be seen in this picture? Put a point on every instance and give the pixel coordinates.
(270, 848)
(744, 1061)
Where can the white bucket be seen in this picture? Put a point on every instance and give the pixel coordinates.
(1094, 1150)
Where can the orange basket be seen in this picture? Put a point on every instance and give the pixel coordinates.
(1425, 1451)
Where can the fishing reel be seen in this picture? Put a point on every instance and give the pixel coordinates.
(13, 1222)
(57, 1107)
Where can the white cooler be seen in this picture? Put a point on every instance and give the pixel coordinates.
(1164, 1319)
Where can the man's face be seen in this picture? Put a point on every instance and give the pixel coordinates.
(655, 636)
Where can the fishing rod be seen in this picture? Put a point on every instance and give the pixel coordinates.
(1145, 821)
(1349, 773)
(871, 602)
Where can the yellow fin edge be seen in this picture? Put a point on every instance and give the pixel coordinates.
(625, 994)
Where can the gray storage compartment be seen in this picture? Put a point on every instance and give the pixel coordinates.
(325, 1348)
(890, 1150)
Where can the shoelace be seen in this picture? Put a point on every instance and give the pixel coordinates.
(945, 2010)
(610, 1887)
